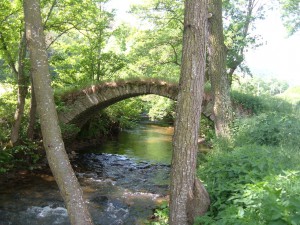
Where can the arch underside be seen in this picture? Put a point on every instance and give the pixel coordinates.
(85, 115)
(86, 103)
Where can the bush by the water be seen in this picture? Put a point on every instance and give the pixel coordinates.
(122, 115)
(24, 156)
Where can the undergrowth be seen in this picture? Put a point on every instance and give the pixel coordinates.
(254, 179)
(252, 185)
(24, 156)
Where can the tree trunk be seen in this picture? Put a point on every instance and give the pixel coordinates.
(53, 143)
(186, 190)
(32, 114)
(22, 92)
(222, 109)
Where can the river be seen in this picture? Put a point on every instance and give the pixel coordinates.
(123, 180)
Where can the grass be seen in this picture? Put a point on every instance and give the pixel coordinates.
(291, 95)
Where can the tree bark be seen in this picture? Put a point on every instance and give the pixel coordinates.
(32, 114)
(186, 190)
(53, 143)
(22, 92)
(222, 109)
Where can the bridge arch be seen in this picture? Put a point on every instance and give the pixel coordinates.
(83, 104)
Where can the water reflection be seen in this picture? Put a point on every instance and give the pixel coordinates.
(151, 143)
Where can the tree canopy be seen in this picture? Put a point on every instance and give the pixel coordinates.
(291, 15)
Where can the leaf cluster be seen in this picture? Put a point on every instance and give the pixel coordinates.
(161, 215)
(159, 108)
(290, 15)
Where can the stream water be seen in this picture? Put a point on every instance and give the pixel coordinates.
(122, 180)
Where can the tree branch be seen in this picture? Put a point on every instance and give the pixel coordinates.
(49, 13)
(58, 36)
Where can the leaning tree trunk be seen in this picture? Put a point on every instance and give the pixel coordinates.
(32, 114)
(22, 92)
(188, 196)
(53, 143)
(222, 109)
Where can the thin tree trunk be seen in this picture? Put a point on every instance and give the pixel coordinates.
(188, 196)
(240, 54)
(52, 139)
(32, 114)
(22, 92)
(222, 109)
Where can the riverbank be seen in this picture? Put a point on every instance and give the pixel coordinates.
(123, 180)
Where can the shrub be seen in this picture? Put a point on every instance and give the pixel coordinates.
(260, 104)
(247, 101)
(207, 129)
(25, 156)
(273, 129)
(7, 107)
(161, 215)
(124, 114)
(252, 185)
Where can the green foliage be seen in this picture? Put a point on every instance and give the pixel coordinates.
(157, 50)
(239, 19)
(291, 95)
(125, 113)
(10, 28)
(159, 108)
(68, 130)
(4, 71)
(247, 101)
(290, 15)
(252, 185)
(122, 115)
(271, 129)
(99, 126)
(251, 104)
(260, 87)
(7, 106)
(254, 96)
(24, 156)
(254, 178)
(161, 215)
(207, 130)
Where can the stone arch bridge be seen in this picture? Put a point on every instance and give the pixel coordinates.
(82, 105)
